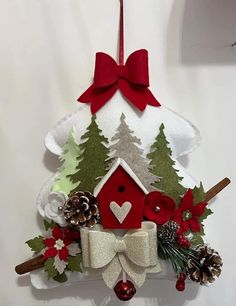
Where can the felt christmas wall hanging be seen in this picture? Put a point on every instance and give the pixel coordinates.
(121, 206)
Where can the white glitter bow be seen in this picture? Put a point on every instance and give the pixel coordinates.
(135, 252)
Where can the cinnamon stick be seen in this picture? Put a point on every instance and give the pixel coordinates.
(216, 189)
(38, 262)
(30, 265)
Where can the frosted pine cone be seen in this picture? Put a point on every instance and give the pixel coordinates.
(168, 231)
(209, 268)
(81, 210)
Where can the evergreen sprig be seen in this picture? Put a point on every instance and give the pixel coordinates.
(178, 256)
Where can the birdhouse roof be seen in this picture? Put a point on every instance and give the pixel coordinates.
(119, 163)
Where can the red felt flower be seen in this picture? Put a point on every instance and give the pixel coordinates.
(187, 215)
(158, 207)
(57, 244)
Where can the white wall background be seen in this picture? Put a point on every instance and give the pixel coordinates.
(47, 50)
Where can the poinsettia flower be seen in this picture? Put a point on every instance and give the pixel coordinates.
(58, 244)
(158, 207)
(51, 209)
(187, 214)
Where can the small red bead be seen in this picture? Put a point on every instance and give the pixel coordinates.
(125, 290)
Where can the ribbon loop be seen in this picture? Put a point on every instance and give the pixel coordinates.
(137, 65)
(105, 73)
(138, 250)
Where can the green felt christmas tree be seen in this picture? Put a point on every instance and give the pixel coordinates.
(69, 159)
(162, 166)
(92, 163)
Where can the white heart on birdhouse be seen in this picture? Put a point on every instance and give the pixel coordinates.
(120, 212)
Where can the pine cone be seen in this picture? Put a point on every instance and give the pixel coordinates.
(168, 231)
(207, 268)
(81, 210)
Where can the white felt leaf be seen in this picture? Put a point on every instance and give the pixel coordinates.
(73, 249)
(59, 265)
(122, 211)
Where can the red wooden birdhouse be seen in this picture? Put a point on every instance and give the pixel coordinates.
(120, 196)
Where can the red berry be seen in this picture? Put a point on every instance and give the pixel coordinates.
(180, 285)
(183, 242)
(124, 290)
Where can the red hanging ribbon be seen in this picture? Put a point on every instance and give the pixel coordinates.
(132, 79)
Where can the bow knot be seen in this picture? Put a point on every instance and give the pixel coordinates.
(135, 253)
(120, 246)
(122, 71)
(132, 79)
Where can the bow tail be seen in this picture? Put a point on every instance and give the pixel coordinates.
(150, 99)
(136, 273)
(154, 269)
(139, 96)
(98, 96)
(111, 272)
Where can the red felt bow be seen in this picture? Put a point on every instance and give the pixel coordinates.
(132, 79)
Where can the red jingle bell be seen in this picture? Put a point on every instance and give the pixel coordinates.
(124, 290)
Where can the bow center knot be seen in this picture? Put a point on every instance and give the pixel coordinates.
(119, 246)
(122, 71)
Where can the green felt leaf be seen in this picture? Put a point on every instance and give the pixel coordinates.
(74, 263)
(50, 269)
(198, 194)
(196, 240)
(61, 278)
(36, 244)
(48, 225)
(202, 231)
(162, 165)
(92, 163)
(69, 159)
(206, 213)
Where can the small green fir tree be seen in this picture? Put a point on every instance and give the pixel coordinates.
(92, 163)
(69, 159)
(162, 166)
